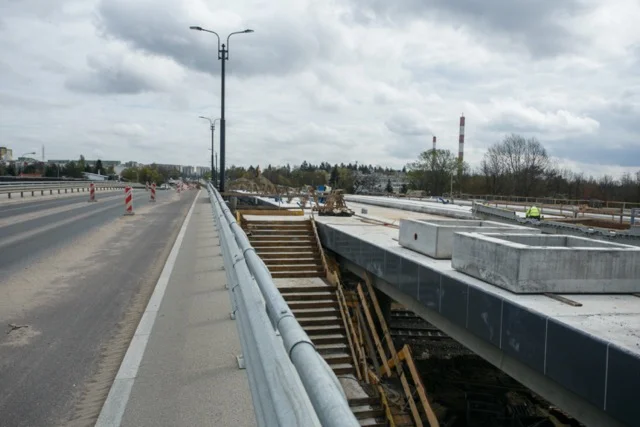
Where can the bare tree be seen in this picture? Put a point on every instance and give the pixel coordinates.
(516, 165)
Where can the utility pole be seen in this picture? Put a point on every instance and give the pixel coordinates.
(213, 130)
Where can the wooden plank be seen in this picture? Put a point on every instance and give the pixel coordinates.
(349, 328)
(367, 339)
(383, 323)
(372, 326)
(417, 380)
(417, 419)
(404, 354)
(563, 299)
(324, 259)
(386, 407)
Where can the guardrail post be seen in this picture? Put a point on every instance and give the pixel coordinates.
(22, 194)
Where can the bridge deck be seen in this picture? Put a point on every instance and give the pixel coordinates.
(188, 373)
(592, 351)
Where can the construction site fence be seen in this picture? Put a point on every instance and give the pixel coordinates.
(291, 384)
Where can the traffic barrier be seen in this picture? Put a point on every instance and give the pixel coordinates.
(152, 195)
(92, 192)
(128, 201)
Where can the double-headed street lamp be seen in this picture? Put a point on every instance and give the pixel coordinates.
(223, 55)
(213, 165)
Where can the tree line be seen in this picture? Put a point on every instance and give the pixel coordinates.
(72, 169)
(516, 166)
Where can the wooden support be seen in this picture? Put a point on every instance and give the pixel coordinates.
(431, 416)
(385, 405)
(383, 323)
(324, 259)
(368, 340)
(348, 326)
(374, 333)
(396, 357)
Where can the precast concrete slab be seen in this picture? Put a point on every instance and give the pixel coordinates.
(530, 263)
(434, 238)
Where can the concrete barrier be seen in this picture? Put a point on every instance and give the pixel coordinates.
(426, 207)
(434, 238)
(548, 263)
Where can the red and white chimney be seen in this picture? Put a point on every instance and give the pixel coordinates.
(461, 140)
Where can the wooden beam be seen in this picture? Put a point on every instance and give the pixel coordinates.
(403, 354)
(320, 248)
(372, 326)
(368, 340)
(385, 405)
(431, 416)
(348, 326)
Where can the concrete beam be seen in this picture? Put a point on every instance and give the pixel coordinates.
(569, 402)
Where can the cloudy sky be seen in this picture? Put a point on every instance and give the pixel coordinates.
(335, 80)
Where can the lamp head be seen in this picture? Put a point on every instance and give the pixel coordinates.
(195, 28)
(248, 30)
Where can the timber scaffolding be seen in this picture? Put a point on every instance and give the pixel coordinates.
(347, 326)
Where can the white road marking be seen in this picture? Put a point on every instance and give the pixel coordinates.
(116, 403)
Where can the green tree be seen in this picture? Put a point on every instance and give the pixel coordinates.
(333, 179)
(404, 189)
(98, 168)
(11, 169)
(432, 171)
(389, 188)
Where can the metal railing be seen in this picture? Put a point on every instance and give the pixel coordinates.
(290, 382)
(10, 188)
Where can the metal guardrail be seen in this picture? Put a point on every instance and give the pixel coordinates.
(284, 375)
(552, 227)
(31, 187)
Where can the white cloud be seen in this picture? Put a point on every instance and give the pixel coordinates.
(508, 114)
(333, 80)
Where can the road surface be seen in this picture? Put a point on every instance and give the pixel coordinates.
(74, 279)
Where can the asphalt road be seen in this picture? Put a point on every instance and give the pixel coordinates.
(35, 204)
(74, 280)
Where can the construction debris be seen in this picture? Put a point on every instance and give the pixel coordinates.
(334, 204)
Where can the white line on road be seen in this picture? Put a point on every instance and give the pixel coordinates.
(116, 403)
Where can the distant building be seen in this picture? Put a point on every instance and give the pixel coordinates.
(94, 176)
(6, 154)
(92, 163)
(201, 170)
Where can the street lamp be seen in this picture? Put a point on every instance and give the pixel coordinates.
(22, 157)
(213, 129)
(223, 55)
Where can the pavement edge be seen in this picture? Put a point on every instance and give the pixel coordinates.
(118, 397)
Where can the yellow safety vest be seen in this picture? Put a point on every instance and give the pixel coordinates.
(533, 211)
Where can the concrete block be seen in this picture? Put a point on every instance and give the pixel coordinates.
(541, 263)
(434, 238)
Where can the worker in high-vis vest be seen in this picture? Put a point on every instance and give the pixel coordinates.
(533, 213)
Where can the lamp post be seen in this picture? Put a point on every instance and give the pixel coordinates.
(223, 55)
(22, 157)
(213, 165)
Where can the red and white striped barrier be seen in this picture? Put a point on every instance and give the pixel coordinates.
(128, 200)
(92, 192)
(152, 195)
